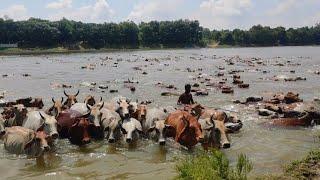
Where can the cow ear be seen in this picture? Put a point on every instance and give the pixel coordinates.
(123, 130)
(29, 144)
(151, 129)
(77, 93)
(102, 105)
(88, 107)
(86, 115)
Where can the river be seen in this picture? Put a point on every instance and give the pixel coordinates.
(268, 148)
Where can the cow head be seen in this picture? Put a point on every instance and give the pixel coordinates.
(38, 103)
(95, 113)
(49, 125)
(141, 112)
(221, 132)
(195, 109)
(90, 100)
(71, 99)
(113, 129)
(56, 108)
(130, 127)
(191, 129)
(123, 108)
(79, 132)
(160, 128)
(40, 140)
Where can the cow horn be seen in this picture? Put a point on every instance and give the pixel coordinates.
(53, 100)
(101, 106)
(88, 106)
(101, 99)
(61, 99)
(77, 93)
(64, 91)
(41, 116)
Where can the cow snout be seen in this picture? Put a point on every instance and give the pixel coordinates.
(55, 136)
(86, 140)
(201, 139)
(127, 115)
(128, 140)
(226, 145)
(143, 116)
(2, 133)
(162, 142)
(46, 148)
(111, 140)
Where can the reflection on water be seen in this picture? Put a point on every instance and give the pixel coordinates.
(268, 147)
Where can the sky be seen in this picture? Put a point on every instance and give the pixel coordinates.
(212, 14)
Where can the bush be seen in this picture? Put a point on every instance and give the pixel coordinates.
(213, 165)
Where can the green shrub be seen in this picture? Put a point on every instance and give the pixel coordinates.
(212, 165)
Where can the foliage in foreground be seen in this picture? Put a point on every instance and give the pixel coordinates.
(213, 165)
(307, 168)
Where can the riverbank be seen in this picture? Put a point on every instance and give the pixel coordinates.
(60, 50)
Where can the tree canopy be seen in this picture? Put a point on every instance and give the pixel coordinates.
(181, 33)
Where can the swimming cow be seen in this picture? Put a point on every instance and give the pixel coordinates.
(185, 128)
(21, 140)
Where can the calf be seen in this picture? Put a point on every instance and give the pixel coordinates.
(20, 140)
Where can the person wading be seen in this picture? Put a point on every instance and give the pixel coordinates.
(186, 97)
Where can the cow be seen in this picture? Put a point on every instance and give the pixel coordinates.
(21, 140)
(38, 119)
(131, 128)
(95, 117)
(71, 99)
(80, 107)
(123, 108)
(56, 108)
(2, 127)
(308, 119)
(155, 125)
(90, 100)
(75, 126)
(111, 123)
(140, 112)
(14, 116)
(185, 128)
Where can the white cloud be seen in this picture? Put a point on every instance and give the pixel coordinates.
(156, 10)
(100, 11)
(225, 7)
(60, 4)
(16, 12)
(282, 7)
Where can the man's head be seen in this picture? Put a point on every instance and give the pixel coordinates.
(187, 88)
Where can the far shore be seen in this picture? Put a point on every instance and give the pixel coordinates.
(44, 51)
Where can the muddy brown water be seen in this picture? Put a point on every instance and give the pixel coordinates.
(268, 148)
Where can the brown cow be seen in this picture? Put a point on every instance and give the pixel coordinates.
(56, 108)
(75, 126)
(185, 128)
(309, 119)
(71, 99)
(141, 113)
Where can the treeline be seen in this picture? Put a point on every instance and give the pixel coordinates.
(181, 33)
(265, 36)
(72, 34)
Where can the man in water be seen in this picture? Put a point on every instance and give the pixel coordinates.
(186, 97)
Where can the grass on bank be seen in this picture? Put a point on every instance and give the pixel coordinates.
(213, 165)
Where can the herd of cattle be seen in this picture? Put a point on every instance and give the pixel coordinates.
(26, 128)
